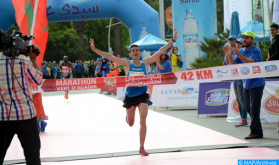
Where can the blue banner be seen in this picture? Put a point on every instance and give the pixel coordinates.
(214, 98)
(136, 15)
(194, 20)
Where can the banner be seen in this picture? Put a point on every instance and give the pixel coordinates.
(193, 20)
(214, 74)
(168, 19)
(269, 107)
(243, 7)
(255, 6)
(214, 98)
(275, 18)
(265, 15)
(177, 95)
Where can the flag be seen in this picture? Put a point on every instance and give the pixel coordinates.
(32, 20)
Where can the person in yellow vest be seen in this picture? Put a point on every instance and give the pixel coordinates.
(174, 56)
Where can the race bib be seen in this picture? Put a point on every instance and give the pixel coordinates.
(65, 71)
(132, 73)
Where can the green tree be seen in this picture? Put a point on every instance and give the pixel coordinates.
(62, 40)
(154, 4)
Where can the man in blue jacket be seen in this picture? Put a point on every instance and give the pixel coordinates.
(78, 69)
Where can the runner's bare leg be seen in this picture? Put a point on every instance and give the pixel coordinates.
(131, 115)
(143, 111)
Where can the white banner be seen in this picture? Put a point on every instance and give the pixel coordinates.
(243, 7)
(179, 95)
(265, 15)
(269, 108)
(276, 12)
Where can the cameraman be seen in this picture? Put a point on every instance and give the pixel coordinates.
(18, 115)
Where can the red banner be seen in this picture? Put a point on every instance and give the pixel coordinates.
(214, 74)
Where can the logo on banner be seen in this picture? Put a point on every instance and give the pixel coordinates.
(217, 97)
(220, 73)
(271, 103)
(235, 107)
(184, 91)
(111, 81)
(256, 69)
(234, 72)
(270, 68)
(245, 70)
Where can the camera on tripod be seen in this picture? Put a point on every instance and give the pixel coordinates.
(16, 44)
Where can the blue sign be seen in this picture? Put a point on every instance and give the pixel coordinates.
(214, 98)
(217, 97)
(194, 20)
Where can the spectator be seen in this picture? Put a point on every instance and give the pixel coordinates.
(48, 70)
(58, 72)
(105, 67)
(274, 47)
(98, 72)
(253, 88)
(239, 43)
(91, 69)
(111, 66)
(163, 63)
(237, 84)
(44, 70)
(174, 56)
(78, 69)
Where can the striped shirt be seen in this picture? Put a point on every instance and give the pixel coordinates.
(19, 90)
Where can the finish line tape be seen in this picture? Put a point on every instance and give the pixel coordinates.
(214, 74)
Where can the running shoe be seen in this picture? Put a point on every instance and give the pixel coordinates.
(242, 123)
(143, 152)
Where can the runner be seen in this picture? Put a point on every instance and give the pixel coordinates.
(136, 96)
(66, 68)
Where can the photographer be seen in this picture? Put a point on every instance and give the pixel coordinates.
(18, 114)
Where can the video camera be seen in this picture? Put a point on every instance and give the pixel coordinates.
(16, 44)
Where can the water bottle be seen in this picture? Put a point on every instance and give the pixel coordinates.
(143, 33)
(190, 39)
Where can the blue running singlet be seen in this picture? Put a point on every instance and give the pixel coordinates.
(136, 71)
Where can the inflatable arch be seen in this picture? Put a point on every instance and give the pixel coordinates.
(136, 15)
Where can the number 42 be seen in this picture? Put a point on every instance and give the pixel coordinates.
(187, 76)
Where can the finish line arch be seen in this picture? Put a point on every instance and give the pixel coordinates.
(136, 15)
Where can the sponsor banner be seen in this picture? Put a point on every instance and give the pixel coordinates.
(214, 74)
(193, 22)
(168, 19)
(177, 95)
(269, 105)
(214, 98)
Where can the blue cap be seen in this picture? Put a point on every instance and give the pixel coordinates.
(165, 53)
(99, 59)
(103, 57)
(239, 41)
(232, 37)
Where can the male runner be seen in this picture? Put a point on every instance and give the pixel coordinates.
(66, 68)
(136, 96)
